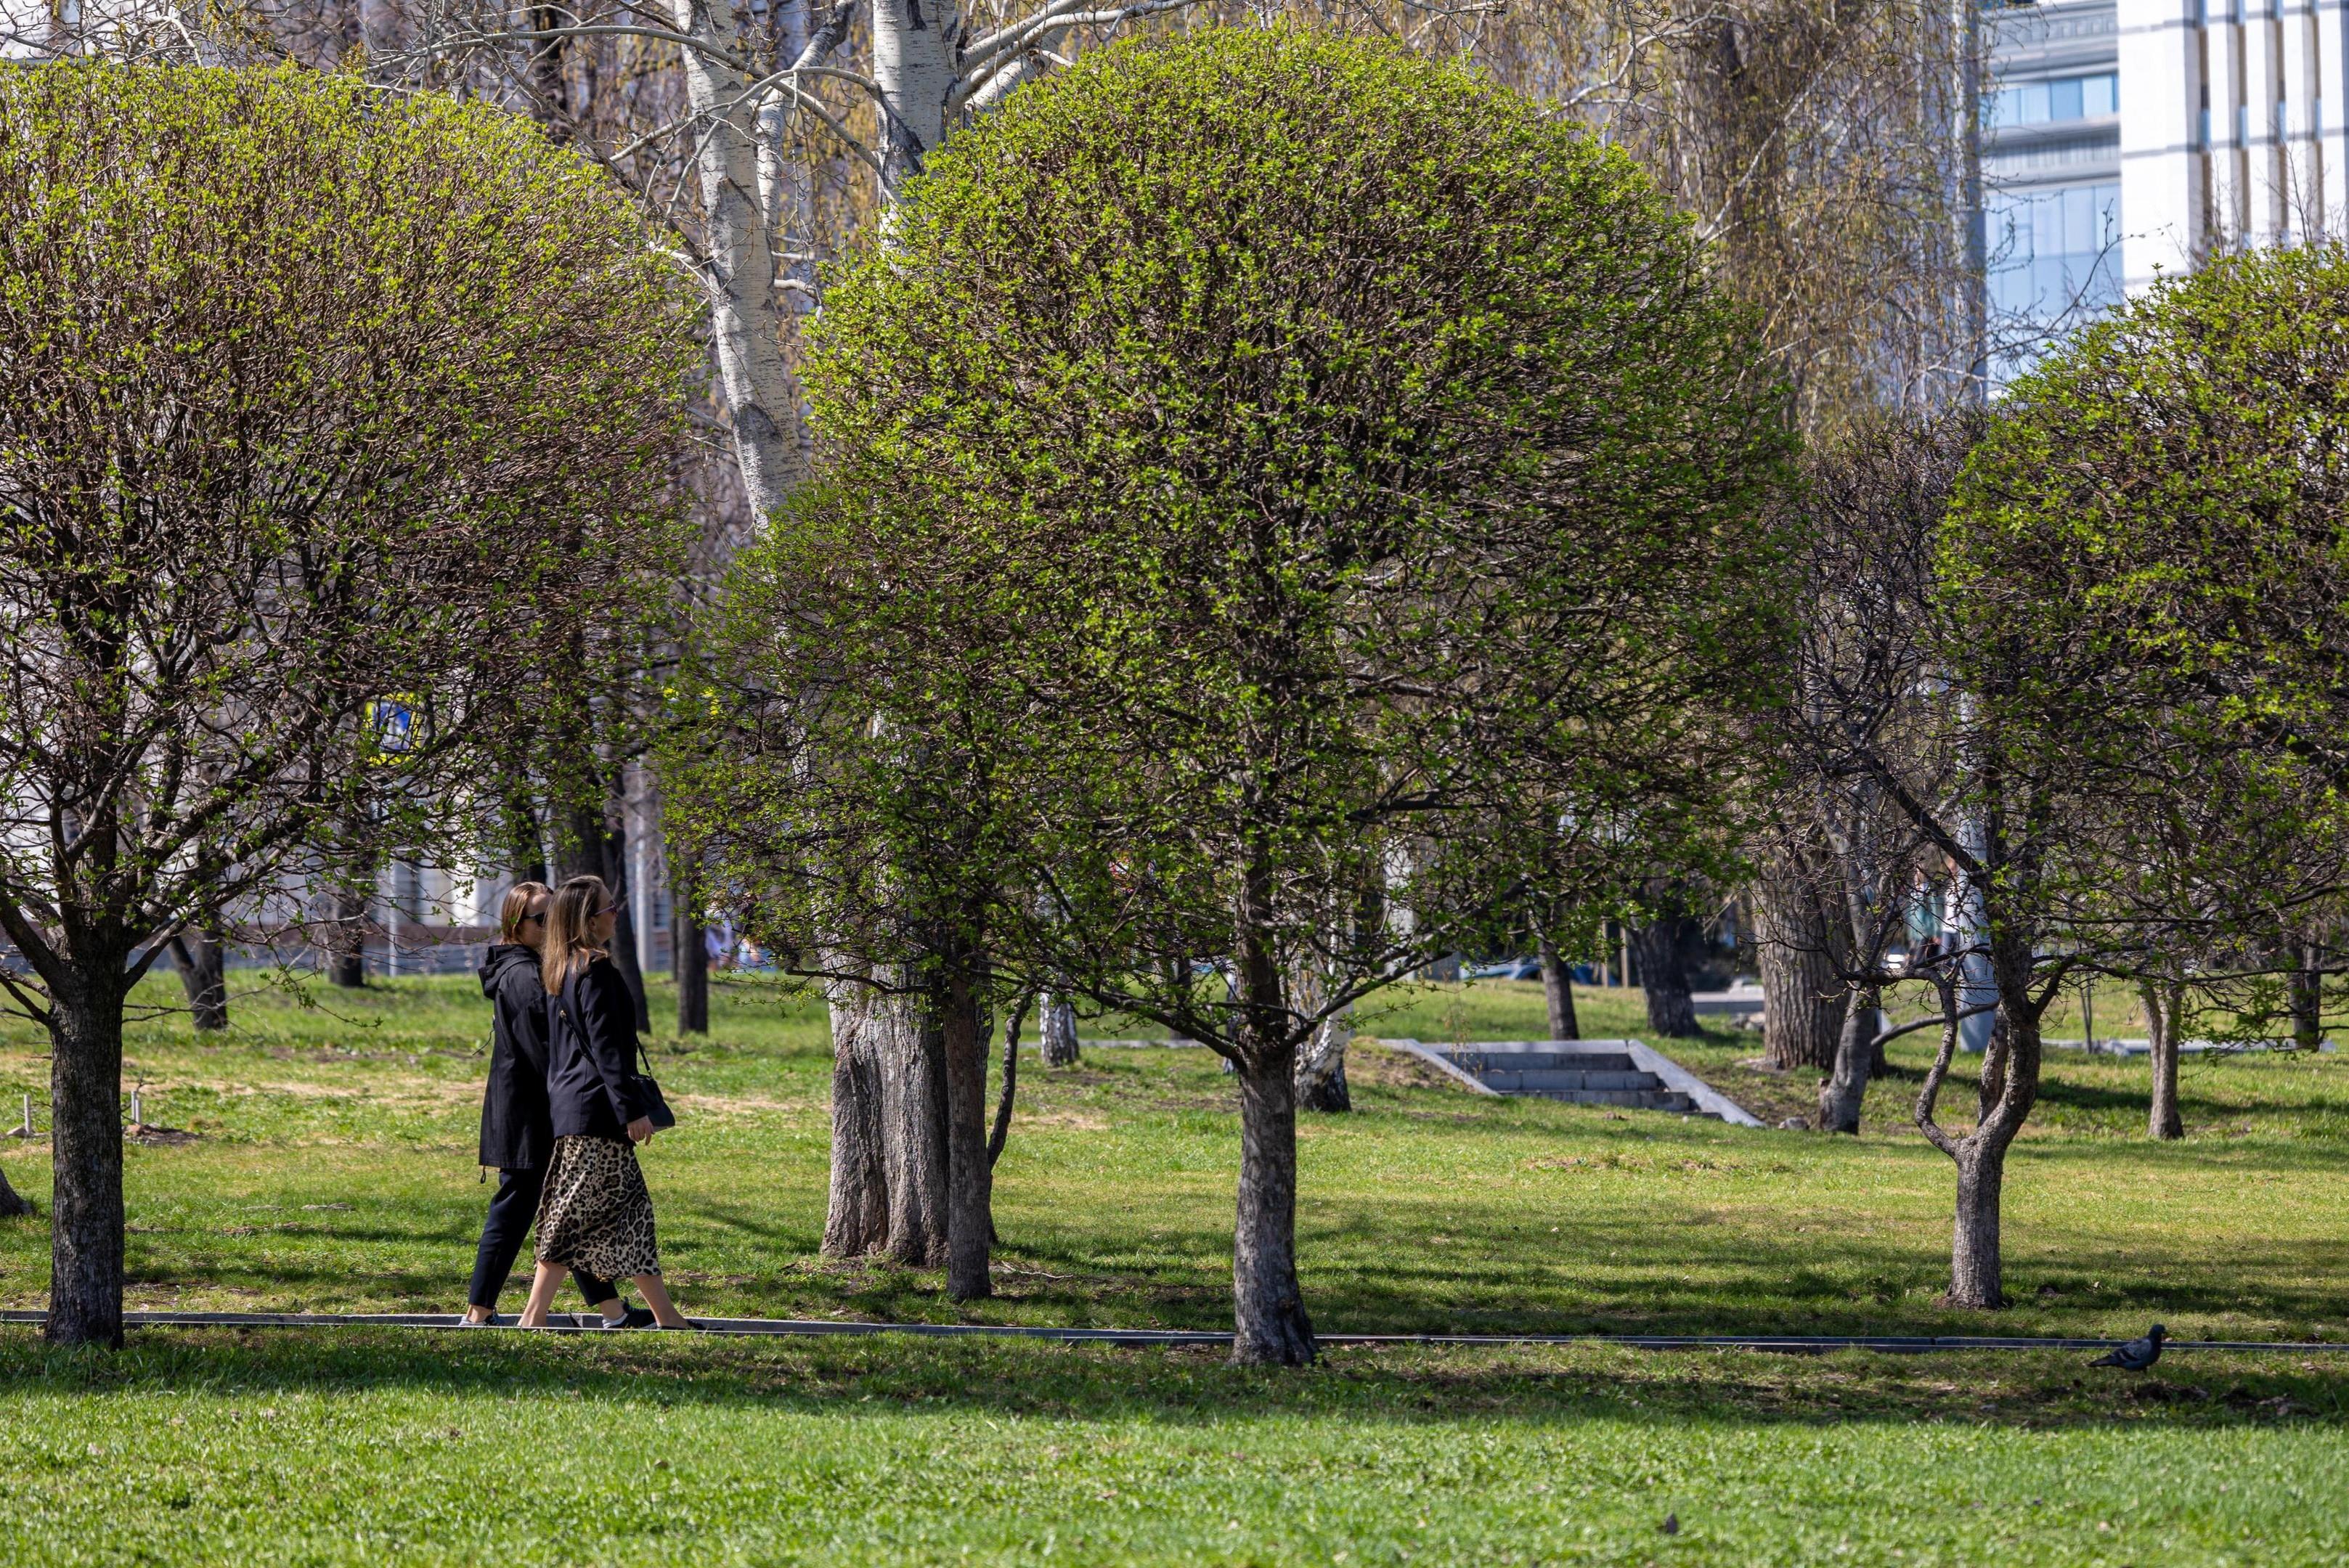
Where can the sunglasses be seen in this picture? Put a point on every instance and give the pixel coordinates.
(538, 919)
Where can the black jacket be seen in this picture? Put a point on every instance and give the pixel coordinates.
(516, 1134)
(591, 1057)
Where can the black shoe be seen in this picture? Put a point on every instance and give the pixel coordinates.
(630, 1318)
(492, 1321)
(681, 1328)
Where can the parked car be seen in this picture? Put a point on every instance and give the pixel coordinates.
(1508, 969)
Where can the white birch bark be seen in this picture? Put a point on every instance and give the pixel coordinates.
(739, 270)
(918, 61)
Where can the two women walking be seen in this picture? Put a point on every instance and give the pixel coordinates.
(564, 1111)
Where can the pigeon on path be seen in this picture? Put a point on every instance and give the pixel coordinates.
(2138, 1354)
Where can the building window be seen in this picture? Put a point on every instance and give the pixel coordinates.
(2054, 258)
(2055, 100)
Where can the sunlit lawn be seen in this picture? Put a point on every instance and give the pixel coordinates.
(333, 1171)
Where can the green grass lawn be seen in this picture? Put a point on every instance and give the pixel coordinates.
(333, 1171)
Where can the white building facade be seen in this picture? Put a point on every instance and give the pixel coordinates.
(2126, 141)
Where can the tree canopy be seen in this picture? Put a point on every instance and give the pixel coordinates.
(318, 407)
(1265, 471)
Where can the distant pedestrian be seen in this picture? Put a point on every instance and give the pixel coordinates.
(595, 1214)
(517, 1132)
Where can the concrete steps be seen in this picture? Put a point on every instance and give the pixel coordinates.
(1623, 1073)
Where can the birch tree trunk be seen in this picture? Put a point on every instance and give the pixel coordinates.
(738, 273)
(1321, 1065)
(1056, 1033)
(916, 59)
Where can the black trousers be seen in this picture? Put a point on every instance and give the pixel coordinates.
(511, 1209)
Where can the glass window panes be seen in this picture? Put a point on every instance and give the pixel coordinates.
(2054, 260)
(2053, 101)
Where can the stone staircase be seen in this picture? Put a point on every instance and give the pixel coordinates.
(1592, 1076)
(1624, 1073)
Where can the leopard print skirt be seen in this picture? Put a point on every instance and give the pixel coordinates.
(595, 1213)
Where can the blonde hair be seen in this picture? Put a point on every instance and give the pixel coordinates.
(569, 921)
(516, 908)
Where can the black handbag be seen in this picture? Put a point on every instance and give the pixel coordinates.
(646, 1087)
(648, 1094)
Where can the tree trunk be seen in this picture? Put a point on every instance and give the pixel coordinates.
(1321, 1072)
(762, 400)
(346, 961)
(1269, 1306)
(1557, 990)
(1057, 1032)
(624, 958)
(2307, 996)
(1001, 1131)
(856, 1221)
(1803, 998)
(13, 1204)
(914, 44)
(202, 964)
(579, 846)
(85, 1208)
(1321, 1068)
(970, 1181)
(689, 961)
(1671, 1011)
(1841, 1094)
(1975, 1269)
(2163, 1005)
(913, 1129)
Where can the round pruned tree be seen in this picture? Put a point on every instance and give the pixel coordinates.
(1267, 472)
(321, 412)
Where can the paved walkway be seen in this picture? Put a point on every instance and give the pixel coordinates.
(815, 1326)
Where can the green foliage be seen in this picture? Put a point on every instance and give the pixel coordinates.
(310, 396)
(1265, 469)
(2144, 568)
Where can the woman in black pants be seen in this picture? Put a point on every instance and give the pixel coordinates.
(517, 1134)
(595, 1213)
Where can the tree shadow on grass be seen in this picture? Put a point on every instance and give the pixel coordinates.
(898, 1374)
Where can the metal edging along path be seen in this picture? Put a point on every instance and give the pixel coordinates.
(812, 1327)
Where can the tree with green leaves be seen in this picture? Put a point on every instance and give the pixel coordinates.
(1266, 470)
(2070, 673)
(2164, 501)
(323, 412)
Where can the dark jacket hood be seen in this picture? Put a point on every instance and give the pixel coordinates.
(503, 960)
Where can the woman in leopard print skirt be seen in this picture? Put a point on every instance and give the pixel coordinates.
(595, 1213)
